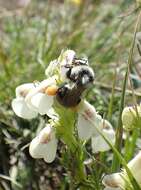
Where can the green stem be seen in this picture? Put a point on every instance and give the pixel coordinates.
(110, 108)
(132, 144)
(77, 166)
(65, 130)
(119, 131)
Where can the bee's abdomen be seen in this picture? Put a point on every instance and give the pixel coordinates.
(68, 97)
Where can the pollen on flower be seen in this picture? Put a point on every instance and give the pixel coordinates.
(51, 90)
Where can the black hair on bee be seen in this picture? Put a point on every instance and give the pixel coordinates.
(80, 61)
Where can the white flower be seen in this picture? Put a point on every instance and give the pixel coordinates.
(118, 180)
(88, 123)
(19, 104)
(85, 128)
(32, 99)
(59, 66)
(65, 59)
(44, 145)
(42, 97)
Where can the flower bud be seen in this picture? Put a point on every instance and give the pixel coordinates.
(131, 117)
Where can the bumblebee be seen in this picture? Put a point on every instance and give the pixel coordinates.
(80, 76)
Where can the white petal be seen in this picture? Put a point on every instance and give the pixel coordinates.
(44, 145)
(135, 167)
(51, 152)
(66, 57)
(51, 68)
(63, 73)
(52, 114)
(24, 89)
(36, 148)
(22, 110)
(69, 55)
(98, 142)
(47, 151)
(44, 84)
(86, 129)
(114, 181)
(42, 102)
(85, 108)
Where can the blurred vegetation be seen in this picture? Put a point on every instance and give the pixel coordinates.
(102, 31)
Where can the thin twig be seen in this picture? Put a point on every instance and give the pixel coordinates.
(108, 87)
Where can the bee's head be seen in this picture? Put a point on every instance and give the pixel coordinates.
(83, 76)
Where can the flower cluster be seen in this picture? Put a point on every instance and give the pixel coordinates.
(71, 75)
(34, 98)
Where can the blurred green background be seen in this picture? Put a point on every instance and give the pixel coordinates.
(102, 30)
